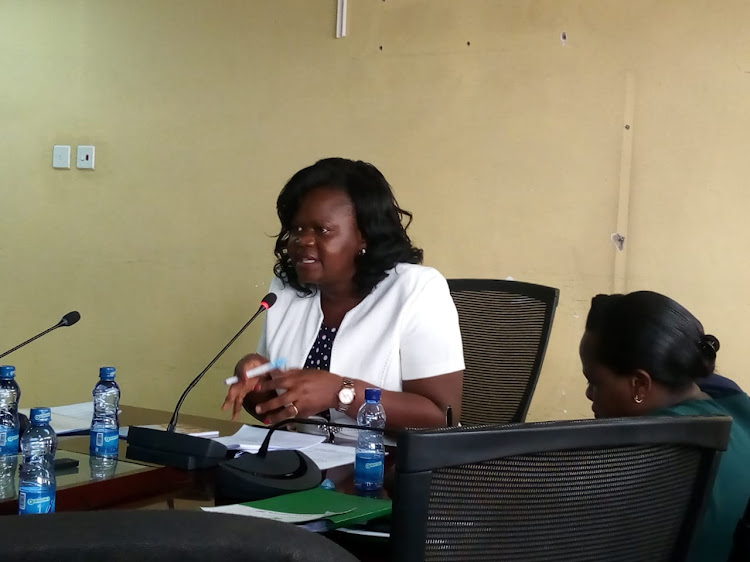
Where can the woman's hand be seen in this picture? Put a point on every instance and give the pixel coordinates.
(307, 392)
(244, 386)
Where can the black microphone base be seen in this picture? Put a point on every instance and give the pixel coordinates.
(254, 477)
(165, 458)
(173, 449)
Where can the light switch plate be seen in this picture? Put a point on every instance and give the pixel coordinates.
(85, 157)
(61, 156)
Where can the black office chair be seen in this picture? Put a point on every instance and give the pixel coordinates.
(620, 490)
(160, 536)
(741, 545)
(505, 326)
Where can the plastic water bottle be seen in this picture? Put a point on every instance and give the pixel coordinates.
(8, 478)
(102, 468)
(370, 455)
(105, 426)
(9, 397)
(36, 485)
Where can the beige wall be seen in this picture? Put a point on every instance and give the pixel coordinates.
(510, 151)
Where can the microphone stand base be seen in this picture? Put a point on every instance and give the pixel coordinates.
(173, 449)
(255, 477)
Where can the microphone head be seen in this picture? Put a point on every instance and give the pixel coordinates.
(70, 318)
(268, 301)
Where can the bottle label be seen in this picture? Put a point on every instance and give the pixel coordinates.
(8, 441)
(368, 470)
(104, 442)
(38, 500)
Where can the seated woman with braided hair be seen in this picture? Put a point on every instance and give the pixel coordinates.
(644, 354)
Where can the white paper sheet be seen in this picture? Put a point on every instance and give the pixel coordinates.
(328, 455)
(84, 410)
(249, 438)
(238, 509)
(69, 418)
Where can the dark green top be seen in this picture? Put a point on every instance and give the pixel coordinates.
(731, 491)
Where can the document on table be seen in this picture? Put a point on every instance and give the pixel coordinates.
(328, 455)
(69, 418)
(249, 438)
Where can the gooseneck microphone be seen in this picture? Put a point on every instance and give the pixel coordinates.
(267, 302)
(176, 449)
(68, 320)
(271, 473)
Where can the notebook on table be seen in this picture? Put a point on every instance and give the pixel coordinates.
(317, 509)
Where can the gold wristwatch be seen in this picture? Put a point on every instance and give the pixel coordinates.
(346, 395)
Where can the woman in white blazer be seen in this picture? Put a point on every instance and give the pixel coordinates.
(354, 309)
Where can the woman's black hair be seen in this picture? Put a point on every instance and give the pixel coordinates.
(649, 331)
(379, 219)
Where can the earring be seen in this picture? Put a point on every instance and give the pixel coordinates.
(637, 399)
(363, 251)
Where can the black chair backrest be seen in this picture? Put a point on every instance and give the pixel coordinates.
(160, 536)
(620, 490)
(741, 546)
(505, 326)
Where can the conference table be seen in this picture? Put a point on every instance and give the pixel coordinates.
(132, 484)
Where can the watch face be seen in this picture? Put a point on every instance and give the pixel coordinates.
(346, 395)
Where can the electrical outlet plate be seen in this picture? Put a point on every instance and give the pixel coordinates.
(85, 157)
(61, 156)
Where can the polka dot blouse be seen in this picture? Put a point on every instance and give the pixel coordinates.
(320, 353)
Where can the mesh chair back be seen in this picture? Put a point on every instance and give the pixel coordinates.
(505, 326)
(741, 544)
(161, 536)
(627, 490)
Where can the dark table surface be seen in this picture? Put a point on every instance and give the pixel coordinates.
(138, 485)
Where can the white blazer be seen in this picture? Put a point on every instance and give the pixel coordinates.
(405, 329)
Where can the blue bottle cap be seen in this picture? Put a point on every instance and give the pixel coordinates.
(7, 372)
(107, 373)
(372, 394)
(40, 416)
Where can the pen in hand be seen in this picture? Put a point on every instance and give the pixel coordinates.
(260, 370)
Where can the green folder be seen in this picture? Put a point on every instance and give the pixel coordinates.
(320, 500)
